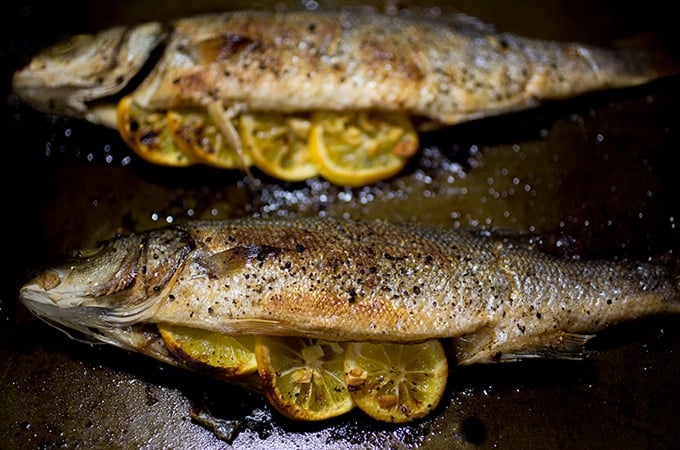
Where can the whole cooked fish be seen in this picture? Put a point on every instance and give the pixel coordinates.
(445, 70)
(341, 280)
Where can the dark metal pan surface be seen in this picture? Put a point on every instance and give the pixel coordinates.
(594, 176)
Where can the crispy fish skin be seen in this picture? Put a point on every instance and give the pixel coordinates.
(446, 70)
(344, 280)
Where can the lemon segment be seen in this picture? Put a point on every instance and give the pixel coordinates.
(147, 134)
(396, 382)
(303, 378)
(196, 134)
(278, 145)
(363, 147)
(225, 357)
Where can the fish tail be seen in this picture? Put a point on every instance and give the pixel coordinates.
(675, 280)
(648, 55)
(670, 265)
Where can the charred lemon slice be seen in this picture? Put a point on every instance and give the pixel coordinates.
(360, 148)
(146, 133)
(394, 382)
(219, 355)
(198, 135)
(303, 378)
(278, 145)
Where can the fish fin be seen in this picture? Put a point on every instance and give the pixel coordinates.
(223, 47)
(475, 347)
(561, 345)
(658, 53)
(266, 327)
(482, 347)
(222, 118)
(227, 262)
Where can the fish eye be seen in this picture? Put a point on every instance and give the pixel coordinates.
(89, 252)
(63, 47)
(69, 45)
(49, 280)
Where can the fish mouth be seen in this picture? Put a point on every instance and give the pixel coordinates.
(81, 323)
(89, 317)
(93, 325)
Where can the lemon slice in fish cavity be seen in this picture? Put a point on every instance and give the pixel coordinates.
(147, 134)
(218, 355)
(278, 145)
(396, 382)
(359, 148)
(303, 378)
(349, 149)
(196, 134)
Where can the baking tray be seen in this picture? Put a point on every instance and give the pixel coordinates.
(595, 177)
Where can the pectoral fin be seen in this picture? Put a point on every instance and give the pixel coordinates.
(231, 261)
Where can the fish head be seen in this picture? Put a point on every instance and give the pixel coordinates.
(68, 77)
(116, 284)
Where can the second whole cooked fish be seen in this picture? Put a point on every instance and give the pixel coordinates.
(234, 65)
(343, 281)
